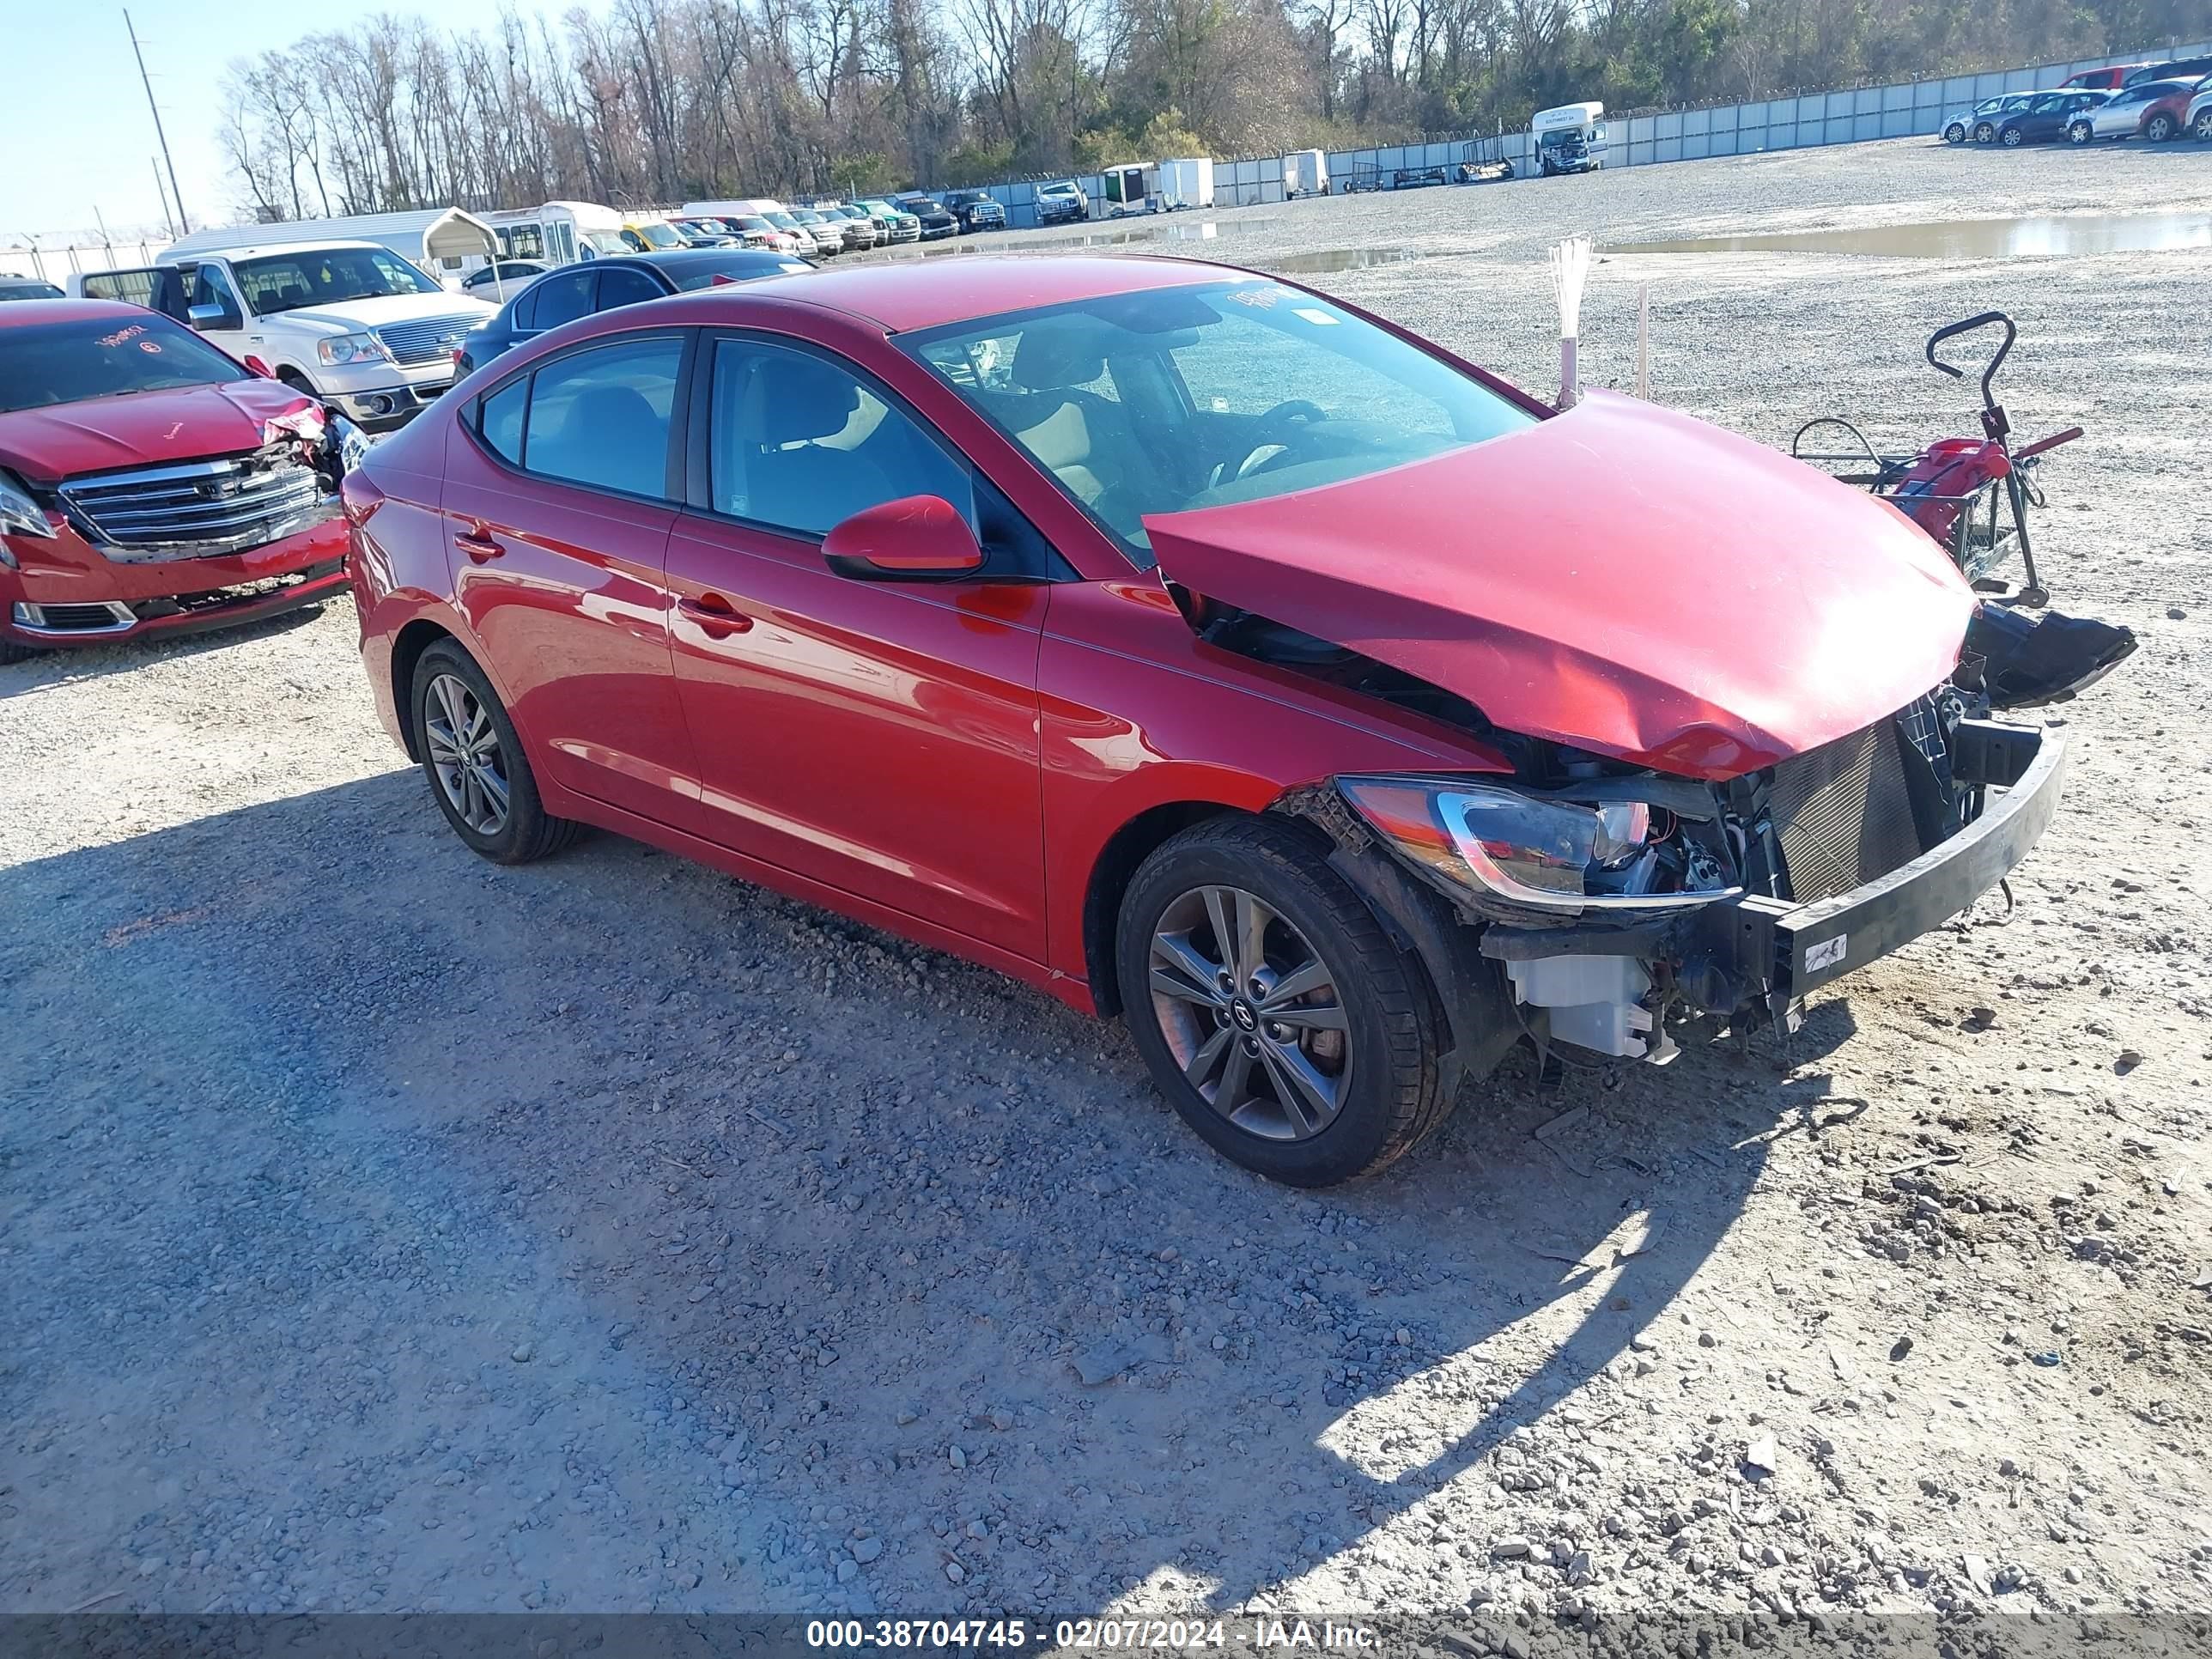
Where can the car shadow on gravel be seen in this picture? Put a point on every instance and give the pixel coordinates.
(607, 1234)
(51, 668)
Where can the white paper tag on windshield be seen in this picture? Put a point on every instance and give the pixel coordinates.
(1313, 316)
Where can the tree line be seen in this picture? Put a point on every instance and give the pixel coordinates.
(662, 100)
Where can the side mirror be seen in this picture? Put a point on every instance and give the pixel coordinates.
(916, 539)
(206, 317)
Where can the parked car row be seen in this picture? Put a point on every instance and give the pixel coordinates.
(2152, 101)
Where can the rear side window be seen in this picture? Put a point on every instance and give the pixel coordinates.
(622, 285)
(601, 417)
(499, 420)
(561, 299)
(134, 288)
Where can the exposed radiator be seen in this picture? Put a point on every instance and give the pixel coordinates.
(1845, 813)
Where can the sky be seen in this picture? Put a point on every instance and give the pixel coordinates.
(78, 133)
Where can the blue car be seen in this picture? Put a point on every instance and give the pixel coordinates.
(573, 291)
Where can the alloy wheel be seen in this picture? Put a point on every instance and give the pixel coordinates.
(1251, 1013)
(1954, 134)
(2012, 137)
(1983, 133)
(465, 755)
(2081, 132)
(2160, 130)
(2203, 127)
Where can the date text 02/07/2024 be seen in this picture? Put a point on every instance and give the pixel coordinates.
(1013, 1635)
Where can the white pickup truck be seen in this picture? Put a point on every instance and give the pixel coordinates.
(351, 322)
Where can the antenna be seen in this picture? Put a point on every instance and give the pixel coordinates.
(147, 82)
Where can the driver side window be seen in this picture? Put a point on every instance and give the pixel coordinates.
(799, 443)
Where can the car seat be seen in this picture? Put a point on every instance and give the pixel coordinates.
(611, 437)
(790, 478)
(1086, 440)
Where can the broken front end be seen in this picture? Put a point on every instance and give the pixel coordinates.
(1614, 898)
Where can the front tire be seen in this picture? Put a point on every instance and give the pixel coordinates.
(2080, 133)
(1271, 1009)
(1955, 133)
(11, 651)
(2012, 138)
(2203, 126)
(478, 774)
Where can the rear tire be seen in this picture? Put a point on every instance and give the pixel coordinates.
(483, 782)
(1985, 131)
(1355, 1052)
(2160, 128)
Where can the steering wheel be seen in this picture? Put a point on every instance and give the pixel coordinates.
(1291, 413)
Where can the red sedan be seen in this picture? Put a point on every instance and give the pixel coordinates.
(1200, 649)
(150, 484)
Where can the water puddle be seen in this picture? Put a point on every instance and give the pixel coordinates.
(2040, 237)
(1322, 261)
(1110, 234)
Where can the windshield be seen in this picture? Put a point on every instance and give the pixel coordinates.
(1560, 135)
(331, 275)
(50, 363)
(12, 290)
(1168, 399)
(606, 241)
(659, 236)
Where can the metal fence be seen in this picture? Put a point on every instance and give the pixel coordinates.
(1909, 109)
(57, 264)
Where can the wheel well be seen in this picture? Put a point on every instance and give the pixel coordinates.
(407, 650)
(1129, 846)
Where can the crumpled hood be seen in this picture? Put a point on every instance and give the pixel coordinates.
(1620, 578)
(142, 428)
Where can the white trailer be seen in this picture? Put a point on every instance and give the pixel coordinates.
(1123, 189)
(1569, 139)
(1305, 172)
(1186, 183)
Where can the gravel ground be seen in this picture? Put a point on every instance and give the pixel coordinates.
(384, 1229)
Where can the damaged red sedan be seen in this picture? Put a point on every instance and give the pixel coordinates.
(150, 484)
(1204, 650)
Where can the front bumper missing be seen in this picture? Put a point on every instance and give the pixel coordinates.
(1753, 952)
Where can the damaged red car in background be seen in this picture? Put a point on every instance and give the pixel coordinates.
(1205, 650)
(150, 484)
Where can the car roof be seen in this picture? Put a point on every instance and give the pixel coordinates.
(259, 251)
(908, 295)
(18, 314)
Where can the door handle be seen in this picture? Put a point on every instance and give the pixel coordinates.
(478, 544)
(717, 617)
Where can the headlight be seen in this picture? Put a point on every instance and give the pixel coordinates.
(19, 514)
(352, 348)
(1540, 853)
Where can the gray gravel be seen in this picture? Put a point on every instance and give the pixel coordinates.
(385, 1229)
